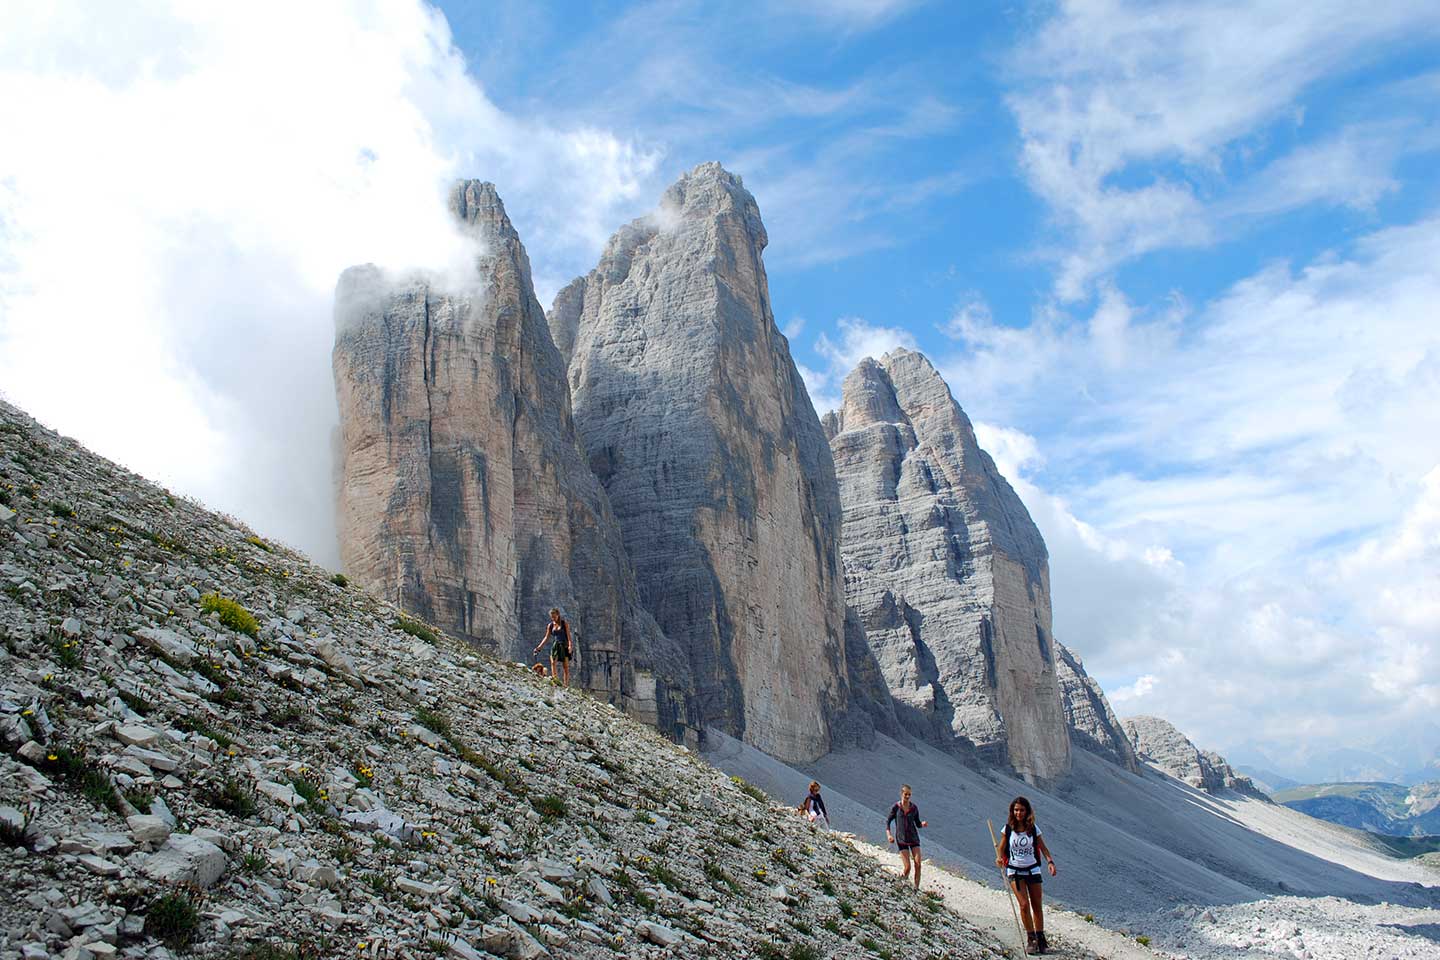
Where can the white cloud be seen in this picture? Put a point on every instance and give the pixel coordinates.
(1241, 499)
(181, 185)
(1130, 112)
(858, 339)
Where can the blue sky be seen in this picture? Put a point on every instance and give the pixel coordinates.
(1177, 261)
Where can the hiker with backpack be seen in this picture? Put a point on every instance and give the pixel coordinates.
(557, 634)
(905, 819)
(813, 806)
(1018, 855)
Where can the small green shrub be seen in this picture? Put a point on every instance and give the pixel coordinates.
(232, 796)
(76, 769)
(173, 919)
(58, 508)
(66, 651)
(416, 628)
(433, 720)
(1143, 941)
(750, 790)
(719, 878)
(135, 702)
(254, 863)
(255, 541)
(191, 724)
(550, 807)
(832, 925)
(231, 613)
(847, 909)
(340, 580)
(140, 798)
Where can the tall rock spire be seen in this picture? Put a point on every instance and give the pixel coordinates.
(464, 492)
(947, 572)
(698, 424)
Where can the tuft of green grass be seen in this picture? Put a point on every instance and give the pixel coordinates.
(231, 613)
(232, 796)
(77, 770)
(135, 702)
(847, 909)
(340, 580)
(803, 951)
(173, 919)
(1144, 941)
(191, 724)
(719, 878)
(433, 720)
(416, 628)
(59, 508)
(254, 863)
(550, 807)
(255, 541)
(750, 790)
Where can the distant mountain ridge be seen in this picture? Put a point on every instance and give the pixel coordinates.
(1389, 808)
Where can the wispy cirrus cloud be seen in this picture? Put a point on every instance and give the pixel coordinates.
(1134, 117)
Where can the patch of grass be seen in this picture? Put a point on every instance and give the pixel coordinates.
(719, 878)
(1144, 941)
(67, 652)
(231, 613)
(309, 790)
(173, 919)
(433, 720)
(847, 909)
(255, 541)
(135, 702)
(13, 836)
(77, 770)
(232, 796)
(379, 883)
(140, 798)
(550, 807)
(803, 951)
(802, 927)
(59, 508)
(192, 724)
(873, 945)
(340, 580)
(825, 885)
(784, 860)
(832, 925)
(416, 628)
(750, 790)
(212, 671)
(254, 863)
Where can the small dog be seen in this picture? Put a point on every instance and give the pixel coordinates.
(539, 669)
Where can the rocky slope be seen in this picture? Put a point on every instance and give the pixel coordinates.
(698, 424)
(333, 779)
(464, 495)
(1093, 725)
(947, 572)
(1158, 742)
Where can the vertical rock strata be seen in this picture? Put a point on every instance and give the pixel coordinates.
(1093, 725)
(699, 426)
(946, 570)
(464, 493)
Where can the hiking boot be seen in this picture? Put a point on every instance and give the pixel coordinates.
(1032, 944)
(1041, 941)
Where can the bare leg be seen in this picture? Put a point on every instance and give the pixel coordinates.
(554, 669)
(1020, 895)
(904, 864)
(567, 672)
(1037, 909)
(915, 856)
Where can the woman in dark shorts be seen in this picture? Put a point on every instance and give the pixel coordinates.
(1019, 853)
(557, 634)
(906, 823)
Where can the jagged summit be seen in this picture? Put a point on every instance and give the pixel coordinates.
(948, 574)
(464, 494)
(1159, 742)
(698, 424)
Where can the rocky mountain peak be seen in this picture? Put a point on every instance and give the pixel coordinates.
(946, 570)
(697, 422)
(1158, 741)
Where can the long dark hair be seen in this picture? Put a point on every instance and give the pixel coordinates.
(1020, 826)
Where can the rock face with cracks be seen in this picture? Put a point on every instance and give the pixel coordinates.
(464, 495)
(698, 424)
(422, 799)
(1093, 725)
(1160, 743)
(948, 574)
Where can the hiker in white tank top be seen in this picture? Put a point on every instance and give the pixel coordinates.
(1019, 853)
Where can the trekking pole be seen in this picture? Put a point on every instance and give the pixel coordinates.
(1009, 899)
